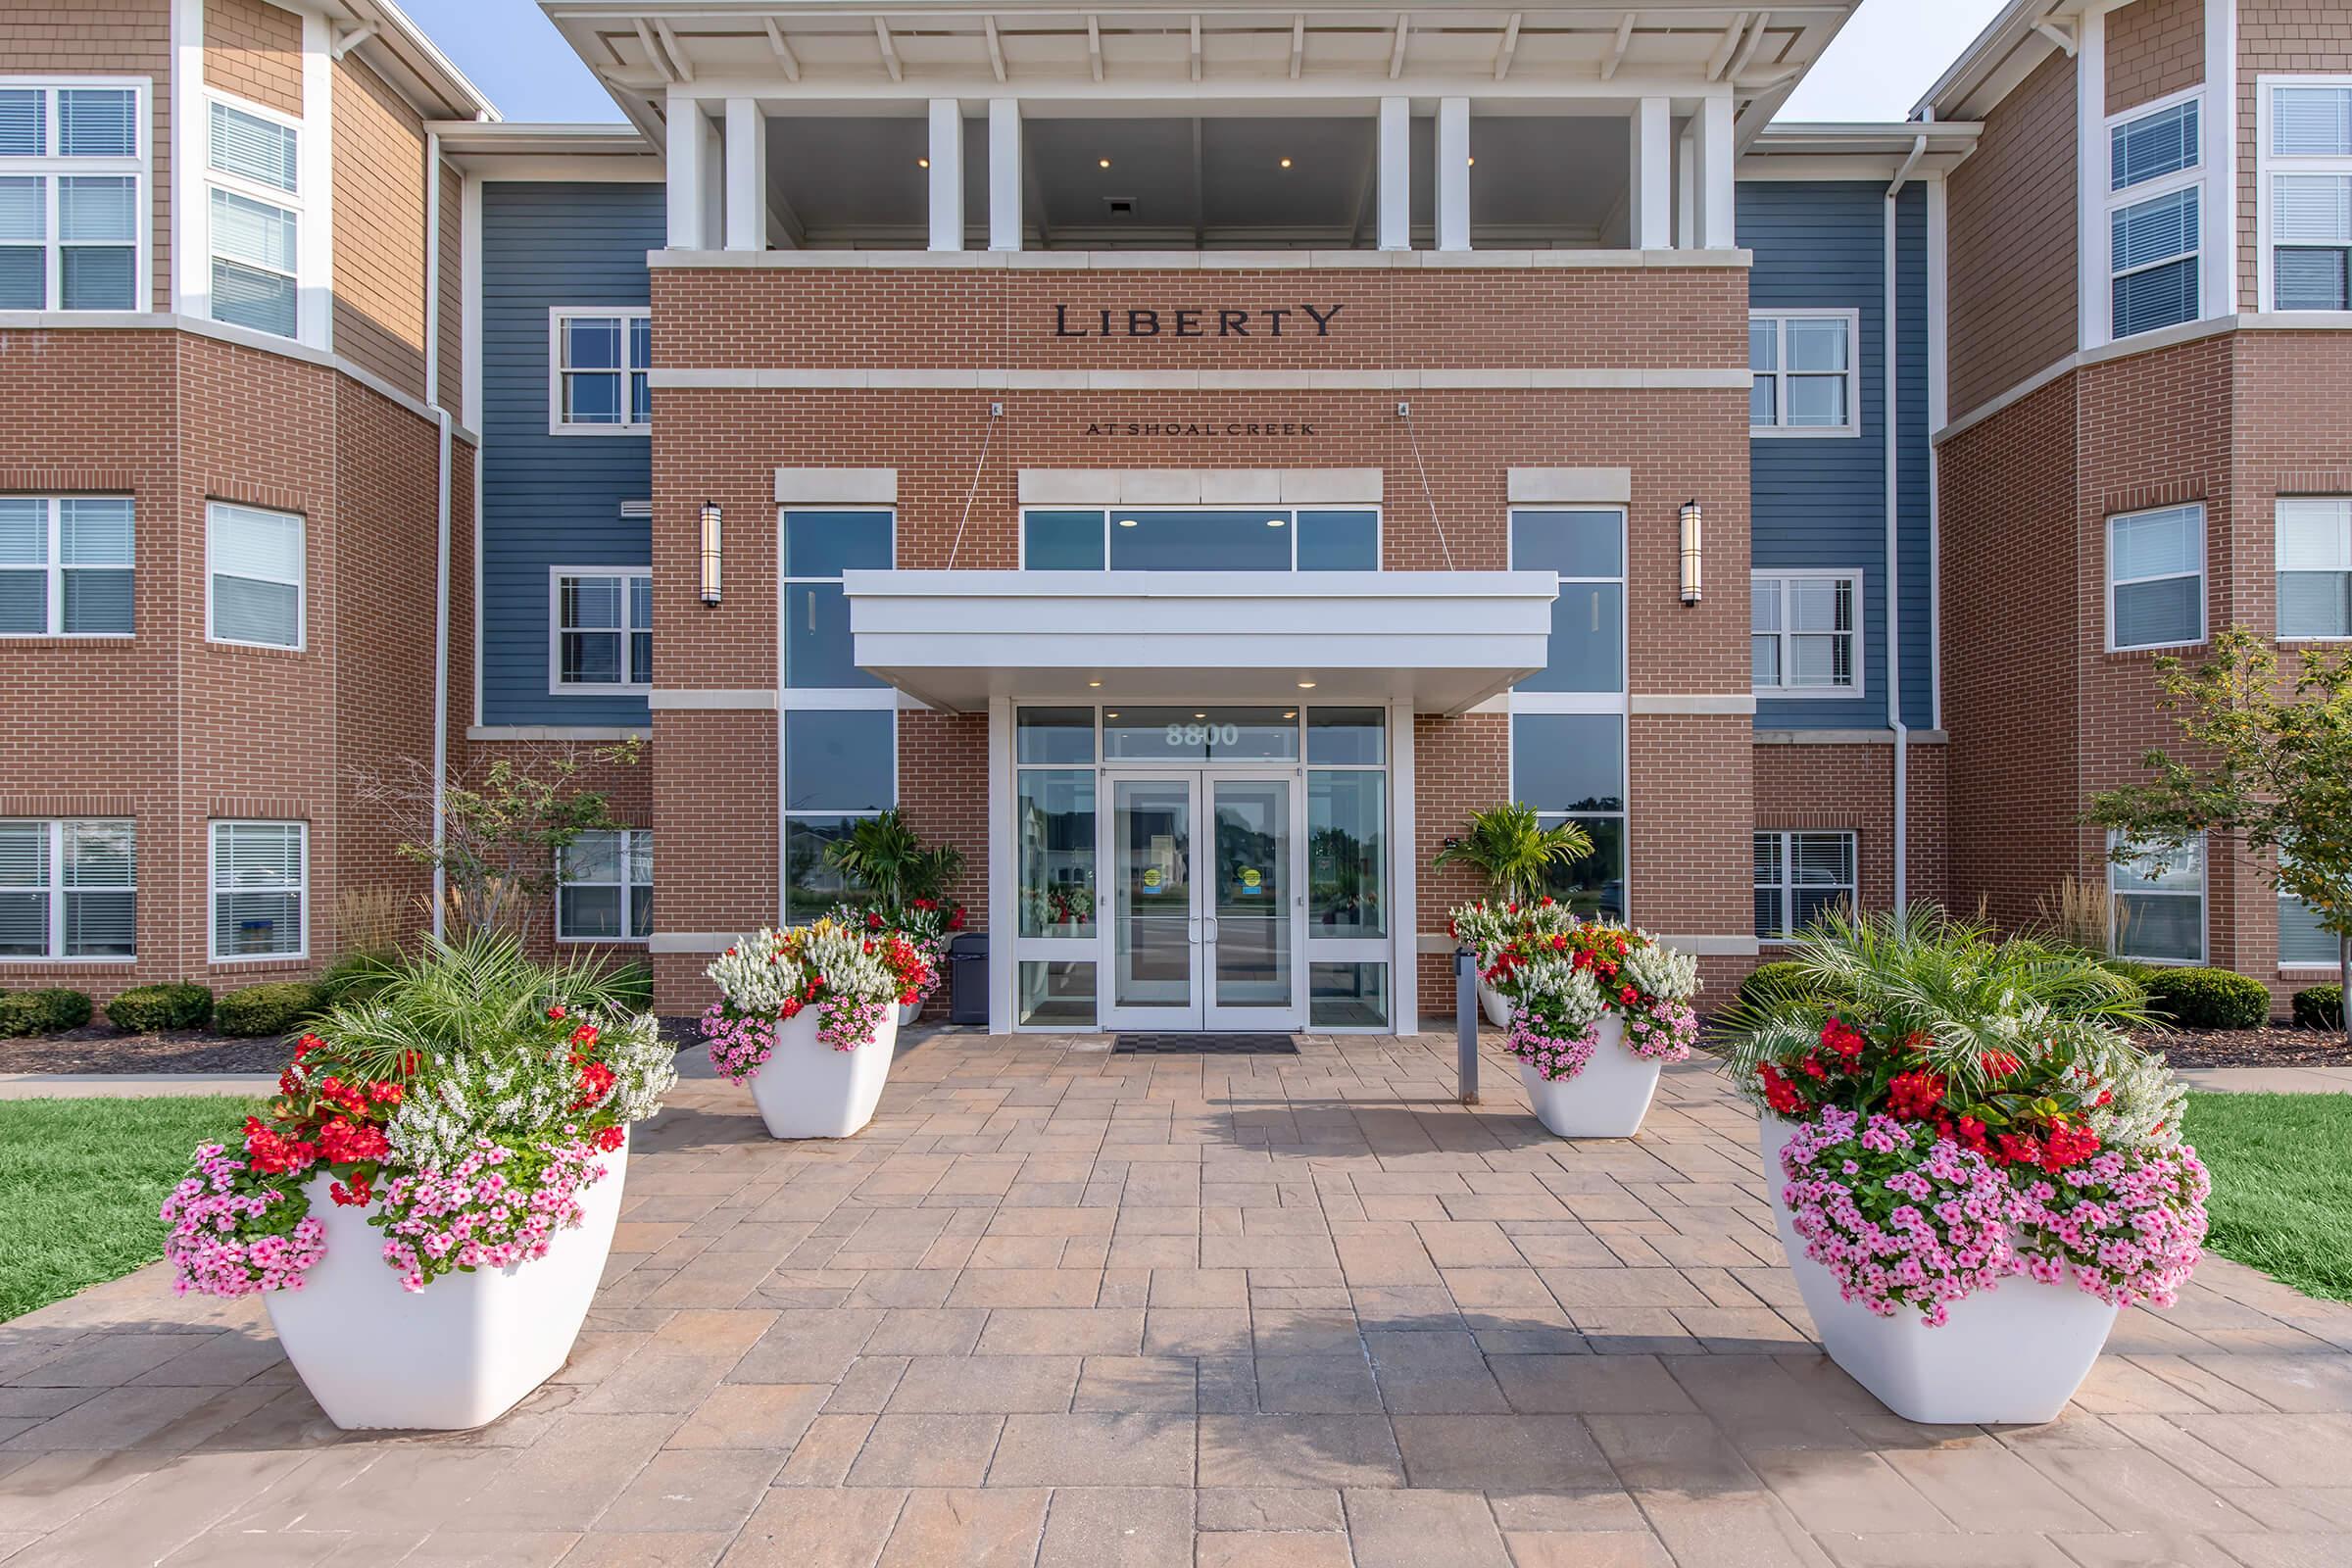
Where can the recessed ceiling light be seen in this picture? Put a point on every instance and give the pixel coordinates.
(1306, 685)
(1274, 522)
(1102, 162)
(923, 163)
(1286, 163)
(1199, 715)
(1094, 683)
(1126, 523)
(1293, 713)
(1471, 162)
(1111, 716)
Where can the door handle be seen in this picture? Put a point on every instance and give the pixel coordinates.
(1191, 930)
(1212, 931)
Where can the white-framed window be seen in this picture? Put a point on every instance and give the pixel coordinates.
(65, 565)
(2156, 578)
(597, 362)
(2314, 553)
(1807, 370)
(604, 887)
(600, 630)
(74, 207)
(2155, 168)
(2303, 943)
(1800, 877)
(1804, 633)
(1585, 546)
(69, 890)
(2157, 902)
(253, 575)
(254, 214)
(260, 882)
(2303, 192)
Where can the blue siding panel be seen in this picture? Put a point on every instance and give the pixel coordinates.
(1821, 501)
(550, 500)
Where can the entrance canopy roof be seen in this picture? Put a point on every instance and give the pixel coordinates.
(1442, 641)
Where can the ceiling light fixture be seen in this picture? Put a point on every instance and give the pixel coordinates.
(1199, 715)
(1094, 683)
(1274, 522)
(1126, 523)
(1102, 162)
(923, 163)
(1306, 685)
(1286, 163)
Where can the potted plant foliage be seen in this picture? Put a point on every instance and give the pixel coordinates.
(906, 885)
(809, 1016)
(1972, 1168)
(1515, 852)
(1597, 1012)
(429, 1198)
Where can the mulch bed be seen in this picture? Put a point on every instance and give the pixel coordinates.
(100, 1048)
(2273, 1046)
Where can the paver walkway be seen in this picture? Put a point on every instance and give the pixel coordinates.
(1062, 1308)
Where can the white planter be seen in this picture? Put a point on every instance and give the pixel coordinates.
(1606, 1099)
(1489, 1002)
(2014, 1354)
(807, 1089)
(908, 1011)
(457, 1353)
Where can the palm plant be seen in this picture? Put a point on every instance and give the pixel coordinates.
(886, 857)
(1514, 851)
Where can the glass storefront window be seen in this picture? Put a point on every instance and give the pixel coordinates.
(1199, 541)
(1055, 824)
(1201, 734)
(1347, 995)
(840, 758)
(1339, 541)
(1055, 735)
(1346, 842)
(810, 886)
(1595, 886)
(818, 545)
(825, 544)
(1054, 995)
(1062, 541)
(1568, 762)
(1346, 737)
(1220, 539)
(1586, 652)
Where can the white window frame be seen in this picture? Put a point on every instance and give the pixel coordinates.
(627, 314)
(301, 888)
(791, 699)
(139, 167)
(54, 568)
(2268, 163)
(300, 585)
(2113, 200)
(1593, 702)
(1780, 427)
(1785, 889)
(57, 888)
(2107, 572)
(1780, 577)
(2281, 633)
(1532, 706)
(1288, 510)
(557, 685)
(297, 201)
(625, 856)
(2203, 895)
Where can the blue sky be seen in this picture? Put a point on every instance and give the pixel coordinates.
(1887, 56)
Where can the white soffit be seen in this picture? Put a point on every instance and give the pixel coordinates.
(1442, 641)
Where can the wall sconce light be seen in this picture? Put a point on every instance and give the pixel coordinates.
(711, 521)
(1690, 552)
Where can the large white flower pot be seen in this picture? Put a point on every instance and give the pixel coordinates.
(2014, 1354)
(1490, 1002)
(805, 1088)
(1606, 1099)
(457, 1353)
(908, 1011)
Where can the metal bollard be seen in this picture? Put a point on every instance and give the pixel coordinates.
(1465, 1019)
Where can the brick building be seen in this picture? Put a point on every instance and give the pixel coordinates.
(1188, 464)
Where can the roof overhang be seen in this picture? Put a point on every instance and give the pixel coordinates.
(1442, 641)
(403, 53)
(2013, 43)
(1852, 150)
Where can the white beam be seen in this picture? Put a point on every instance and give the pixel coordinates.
(1196, 48)
(1510, 47)
(689, 144)
(946, 174)
(1297, 44)
(675, 49)
(1650, 202)
(789, 62)
(747, 175)
(996, 47)
(1723, 49)
(1395, 174)
(1003, 173)
(1397, 53)
(1624, 37)
(1093, 45)
(1715, 172)
(890, 51)
(653, 51)
(1686, 190)
(1454, 174)
(1747, 50)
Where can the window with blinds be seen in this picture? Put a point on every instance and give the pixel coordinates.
(69, 889)
(65, 565)
(599, 363)
(254, 571)
(2156, 578)
(602, 625)
(2314, 553)
(2155, 169)
(2158, 901)
(259, 890)
(253, 167)
(72, 176)
(2305, 188)
(604, 887)
(1803, 633)
(1800, 878)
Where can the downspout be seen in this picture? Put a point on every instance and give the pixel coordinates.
(432, 394)
(1894, 571)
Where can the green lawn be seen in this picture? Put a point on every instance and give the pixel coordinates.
(2281, 1185)
(81, 1182)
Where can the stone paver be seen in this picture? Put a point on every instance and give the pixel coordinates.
(1059, 1307)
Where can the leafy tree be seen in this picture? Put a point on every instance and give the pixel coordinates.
(2269, 762)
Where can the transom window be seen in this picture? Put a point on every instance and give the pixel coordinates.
(69, 889)
(601, 623)
(1221, 539)
(1803, 637)
(2156, 578)
(1807, 379)
(598, 361)
(253, 172)
(604, 887)
(1800, 878)
(261, 904)
(254, 571)
(2315, 567)
(72, 185)
(2153, 228)
(2304, 191)
(2158, 902)
(65, 565)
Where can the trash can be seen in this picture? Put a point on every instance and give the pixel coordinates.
(967, 978)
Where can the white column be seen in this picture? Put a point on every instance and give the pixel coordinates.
(1004, 893)
(2221, 159)
(688, 148)
(1395, 175)
(1454, 174)
(1685, 192)
(2092, 278)
(747, 175)
(1714, 194)
(946, 174)
(1003, 173)
(1404, 969)
(1651, 189)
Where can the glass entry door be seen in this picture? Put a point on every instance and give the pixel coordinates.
(1204, 902)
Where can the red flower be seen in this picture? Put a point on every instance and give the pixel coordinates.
(1842, 1039)
(1914, 1096)
(1780, 1094)
(609, 1139)
(1548, 900)
(584, 1035)
(956, 920)
(352, 1196)
(873, 922)
(557, 1011)
(1627, 996)
(927, 904)
(2000, 1064)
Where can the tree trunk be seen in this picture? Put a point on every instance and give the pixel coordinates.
(2343, 987)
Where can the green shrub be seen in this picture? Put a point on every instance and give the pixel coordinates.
(2208, 999)
(2320, 1008)
(20, 1013)
(1775, 981)
(43, 1012)
(175, 1004)
(354, 977)
(2132, 969)
(271, 1009)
